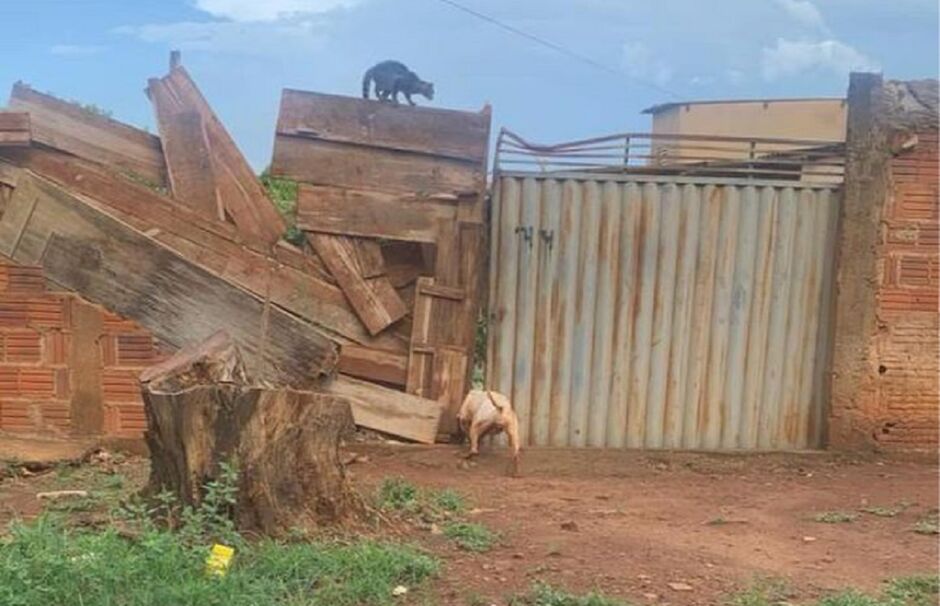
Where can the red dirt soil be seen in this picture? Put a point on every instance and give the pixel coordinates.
(644, 520)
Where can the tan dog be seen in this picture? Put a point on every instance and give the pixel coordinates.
(488, 413)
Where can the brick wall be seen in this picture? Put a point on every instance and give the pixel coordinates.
(906, 345)
(67, 366)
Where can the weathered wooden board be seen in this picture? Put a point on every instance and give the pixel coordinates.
(286, 281)
(372, 214)
(373, 364)
(449, 380)
(387, 410)
(14, 129)
(374, 301)
(108, 262)
(70, 128)
(242, 195)
(329, 163)
(188, 163)
(440, 132)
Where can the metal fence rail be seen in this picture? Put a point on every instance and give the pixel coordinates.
(678, 155)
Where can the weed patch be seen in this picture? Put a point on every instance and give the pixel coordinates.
(470, 536)
(545, 595)
(929, 524)
(835, 517)
(763, 592)
(283, 192)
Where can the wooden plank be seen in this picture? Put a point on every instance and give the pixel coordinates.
(375, 302)
(83, 249)
(340, 165)
(450, 372)
(441, 132)
(420, 363)
(188, 160)
(14, 129)
(372, 214)
(442, 292)
(288, 281)
(242, 194)
(369, 258)
(387, 410)
(373, 364)
(73, 129)
(16, 215)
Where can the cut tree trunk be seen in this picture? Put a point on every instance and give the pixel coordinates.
(201, 413)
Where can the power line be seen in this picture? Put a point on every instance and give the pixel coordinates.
(556, 47)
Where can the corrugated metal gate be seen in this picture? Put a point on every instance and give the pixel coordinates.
(662, 311)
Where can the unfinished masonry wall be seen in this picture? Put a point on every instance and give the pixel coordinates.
(885, 369)
(67, 367)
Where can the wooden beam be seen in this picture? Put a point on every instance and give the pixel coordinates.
(287, 280)
(374, 301)
(373, 364)
(387, 410)
(440, 132)
(372, 214)
(110, 263)
(14, 129)
(188, 161)
(342, 165)
(241, 193)
(69, 127)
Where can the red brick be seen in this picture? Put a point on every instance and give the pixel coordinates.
(55, 347)
(893, 300)
(108, 346)
(135, 350)
(36, 382)
(23, 279)
(917, 270)
(120, 386)
(63, 388)
(18, 415)
(22, 347)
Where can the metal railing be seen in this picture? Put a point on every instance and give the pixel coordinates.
(802, 160)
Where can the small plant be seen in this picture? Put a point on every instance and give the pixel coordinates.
(851, 597)
(283, 192)
(398, 494)
(917, 590)
(929, 524)
(113, 482)
(545, 595)
(835, 517)
(449, 500)
(763, 592)
(470, 536)
(883, 512)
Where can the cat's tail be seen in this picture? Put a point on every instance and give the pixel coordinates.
(366, 83)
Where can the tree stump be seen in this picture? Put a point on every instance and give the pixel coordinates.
(202, 412)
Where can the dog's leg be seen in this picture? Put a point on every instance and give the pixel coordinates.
(477, 430)
(512, 433)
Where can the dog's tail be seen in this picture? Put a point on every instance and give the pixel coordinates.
(366, 83)
(492, 398)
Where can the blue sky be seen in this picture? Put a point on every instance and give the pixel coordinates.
(242, 52)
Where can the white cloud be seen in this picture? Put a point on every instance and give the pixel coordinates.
(255, 39)
(806, 13)
(247, 11)
(790, 57)
(639, 62)
(75, 50)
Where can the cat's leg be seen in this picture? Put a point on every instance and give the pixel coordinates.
(408, 97)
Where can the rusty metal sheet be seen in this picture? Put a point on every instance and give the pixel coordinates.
(663, 313)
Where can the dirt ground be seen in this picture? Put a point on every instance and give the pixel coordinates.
(629, 523)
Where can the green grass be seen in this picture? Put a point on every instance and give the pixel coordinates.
(449, 500)
(470, 536)
(763, 592)
(835, 517)
(47, 563)
(918, 590)
(283, 192)
(883, 512)
(398, 494)
(545, 595)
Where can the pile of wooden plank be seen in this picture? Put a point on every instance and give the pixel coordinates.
(409, 181)
(176, 232)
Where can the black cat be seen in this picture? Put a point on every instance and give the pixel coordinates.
(392, 78)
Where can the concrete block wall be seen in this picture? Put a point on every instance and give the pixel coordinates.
(67, 367)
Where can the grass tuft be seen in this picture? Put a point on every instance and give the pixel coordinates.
(283, 192)
(763, 592)
(929, 524)
(835, 517)
(470, 536)
(545, 595)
